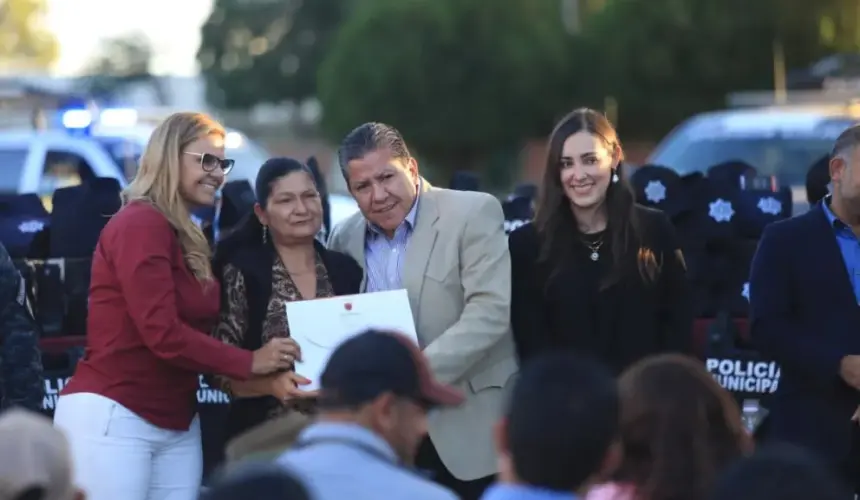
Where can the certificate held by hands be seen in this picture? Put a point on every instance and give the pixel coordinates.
(320, 325)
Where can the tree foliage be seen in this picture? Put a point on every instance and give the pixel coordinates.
(464, 79)
(119, 63)
(266, 51)
(25, 44)
(664, 60)
(460, 78)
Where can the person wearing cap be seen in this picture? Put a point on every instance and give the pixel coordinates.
(375, 394)
(21, 377)
(35, 462)
(559, 435)
(464, 181)
(518, 211)
(448, 250)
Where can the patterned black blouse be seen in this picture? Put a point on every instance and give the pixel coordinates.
(233, 323)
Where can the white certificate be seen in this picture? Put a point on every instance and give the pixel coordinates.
(320, 325)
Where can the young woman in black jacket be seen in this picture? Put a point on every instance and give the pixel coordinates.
(595, 272)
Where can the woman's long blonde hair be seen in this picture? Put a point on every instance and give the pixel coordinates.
(157, 183)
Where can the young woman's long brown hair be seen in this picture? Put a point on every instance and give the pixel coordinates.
(679, 429)
(555, 221)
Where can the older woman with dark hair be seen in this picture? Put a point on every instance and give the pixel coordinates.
(679, 430)
(273, 258)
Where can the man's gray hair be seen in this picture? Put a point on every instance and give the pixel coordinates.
(370, 137)
(847, 141)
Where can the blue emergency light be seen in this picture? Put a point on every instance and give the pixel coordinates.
(84, 119)
(77, 119)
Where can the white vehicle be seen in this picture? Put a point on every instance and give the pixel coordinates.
(124, 133)
(126, 145)
(342, 207)
(40, 162)
(778, 141)
(125, 137)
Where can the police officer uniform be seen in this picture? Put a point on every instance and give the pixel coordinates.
(21, 374)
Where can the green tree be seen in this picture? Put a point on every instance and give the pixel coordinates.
(664, 60)
(25, 43)
(121, 62)
(838, 22)
(462, 79)
(266, 52)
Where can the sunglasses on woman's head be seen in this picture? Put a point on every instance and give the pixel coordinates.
(210, 162)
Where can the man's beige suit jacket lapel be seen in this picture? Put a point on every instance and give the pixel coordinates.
(418, 250)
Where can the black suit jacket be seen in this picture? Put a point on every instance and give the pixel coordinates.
(804, 315)
(630, 320)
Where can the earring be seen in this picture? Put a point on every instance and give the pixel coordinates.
(265, 233)
(614, 177)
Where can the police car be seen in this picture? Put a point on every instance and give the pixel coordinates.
(42, 161)
(125, 137)
(126, 144)
(782, 142)
(109, 144)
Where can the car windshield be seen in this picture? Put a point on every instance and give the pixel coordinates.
(125, 153)
(249, 158)
(787, 157)
(11, 167)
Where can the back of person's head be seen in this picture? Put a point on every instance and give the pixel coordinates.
(818, 180)
(159, 180)
(465, 181)
(288, 207)
(526, 190)
(730, 173)
(257, 481)
(781, 472)
(561, 423)
(679, 428)
(35, 462)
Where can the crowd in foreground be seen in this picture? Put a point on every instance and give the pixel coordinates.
(570, 430)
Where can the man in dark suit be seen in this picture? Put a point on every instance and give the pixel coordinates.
(805, 313)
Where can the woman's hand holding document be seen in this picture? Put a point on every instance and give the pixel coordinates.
(320, 325)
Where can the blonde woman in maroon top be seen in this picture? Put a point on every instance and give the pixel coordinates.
(129, 410)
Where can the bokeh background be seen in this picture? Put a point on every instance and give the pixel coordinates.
(473, 84)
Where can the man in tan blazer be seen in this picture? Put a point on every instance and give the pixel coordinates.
(448, 250)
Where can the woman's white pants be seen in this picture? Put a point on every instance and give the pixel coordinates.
(118, 455)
